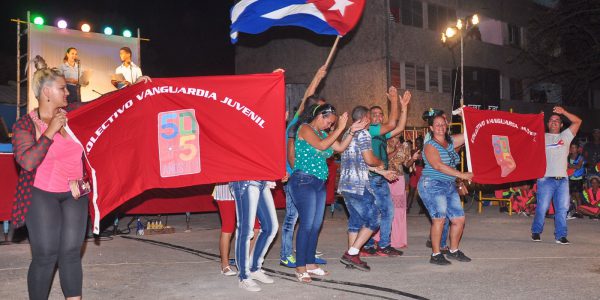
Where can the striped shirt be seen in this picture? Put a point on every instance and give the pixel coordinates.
(222, 192)
(448, 157)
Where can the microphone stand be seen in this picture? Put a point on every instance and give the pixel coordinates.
(78, 84)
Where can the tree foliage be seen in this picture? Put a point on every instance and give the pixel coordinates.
(564, 42)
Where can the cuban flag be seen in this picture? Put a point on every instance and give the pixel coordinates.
(332, 17)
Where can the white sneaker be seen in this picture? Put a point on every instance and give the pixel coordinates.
(249, 285)
(227, 271)
(261, 276)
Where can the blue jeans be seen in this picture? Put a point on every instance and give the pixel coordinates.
(253, 199)
(440, 198)
(383, 202)
(557, 191)
(287, 229)
(362, 210)
(308, 193)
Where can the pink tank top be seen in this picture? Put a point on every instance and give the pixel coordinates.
(61, 164)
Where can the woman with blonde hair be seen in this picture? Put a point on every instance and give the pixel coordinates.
(48, 198)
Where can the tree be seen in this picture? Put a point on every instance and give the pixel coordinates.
(564, 42)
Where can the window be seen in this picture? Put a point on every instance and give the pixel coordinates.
(440, 17)
(446, 81)
(412, 13)
(395, 73)
(395, 11)
(516, 89)
(411, 77)
(514, 35)
(421, 78)
(433, 79)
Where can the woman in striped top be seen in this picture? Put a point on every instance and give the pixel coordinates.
(437, 186)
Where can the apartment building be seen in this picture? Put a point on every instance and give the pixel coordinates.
(398, 42)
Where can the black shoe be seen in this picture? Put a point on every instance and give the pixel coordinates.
(389, 251)
(536, 237)
(439, 260)
(458, 255)
(368, 251)
(563, 241)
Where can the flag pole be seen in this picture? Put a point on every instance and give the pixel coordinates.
(332, 51)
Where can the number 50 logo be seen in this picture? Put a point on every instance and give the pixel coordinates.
(178, 143)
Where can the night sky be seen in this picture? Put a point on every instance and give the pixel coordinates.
(188, 38)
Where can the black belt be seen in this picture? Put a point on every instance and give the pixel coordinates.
(557, 177)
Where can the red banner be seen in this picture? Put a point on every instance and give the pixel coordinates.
(504, 147)
(177, 132)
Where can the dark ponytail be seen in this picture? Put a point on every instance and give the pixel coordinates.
(310, 113)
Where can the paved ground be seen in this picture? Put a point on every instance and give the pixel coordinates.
(506, 264)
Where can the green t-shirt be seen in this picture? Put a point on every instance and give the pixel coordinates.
(379, 143)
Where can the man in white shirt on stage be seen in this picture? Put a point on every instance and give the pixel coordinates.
(127, 73)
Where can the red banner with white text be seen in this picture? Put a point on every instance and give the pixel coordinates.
(177, 132)
(504, 147)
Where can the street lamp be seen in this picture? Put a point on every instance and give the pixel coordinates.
(463, 25)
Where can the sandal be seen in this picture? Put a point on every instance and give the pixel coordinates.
(318, 272)
(304, 277)
(227, 271)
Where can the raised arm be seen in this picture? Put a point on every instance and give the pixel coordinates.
(575, 120)
(309, 135)
(388, 126)
(403, 115)
(312, 87)
(356, 126)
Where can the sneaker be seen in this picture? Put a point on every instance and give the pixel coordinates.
(570, 216)
(458, 255)
(439, 260)
(354, 262)
(249, 285)
(227, 271)
(536, 237)
(371, 251)
(289, 261)
(261, 276)
(563, 241)
(389, 251)
(320, 261)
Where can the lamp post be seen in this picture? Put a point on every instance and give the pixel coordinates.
(463, 25)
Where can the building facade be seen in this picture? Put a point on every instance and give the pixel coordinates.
(398, 42)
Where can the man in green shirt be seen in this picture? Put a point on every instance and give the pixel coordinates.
(380, 132)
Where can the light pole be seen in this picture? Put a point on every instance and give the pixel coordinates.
(463, 25)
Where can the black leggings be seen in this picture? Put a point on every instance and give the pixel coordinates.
(56, 223)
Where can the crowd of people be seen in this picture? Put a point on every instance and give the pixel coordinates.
(376, 168)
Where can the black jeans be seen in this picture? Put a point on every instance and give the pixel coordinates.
(56, 223)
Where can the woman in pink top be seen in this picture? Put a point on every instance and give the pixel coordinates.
(48, 198)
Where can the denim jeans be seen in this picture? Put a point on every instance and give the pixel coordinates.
(362, 210)
(557, 191)
(444, 244)
(441, 198)
(289, 222)
(308, 193)
(253, 199)
(383, 202)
